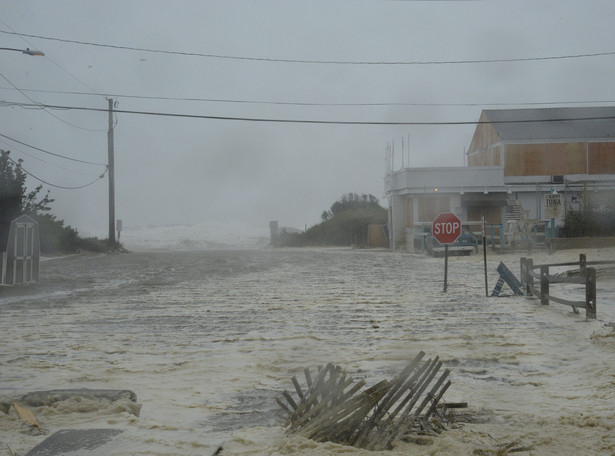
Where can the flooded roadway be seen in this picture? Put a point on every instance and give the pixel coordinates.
(208, 339)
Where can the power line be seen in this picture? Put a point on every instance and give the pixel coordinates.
(61, 68)
(324, 62)
(51, 114)
(316, 121)
(51, 153)
(34, 157)
(48, 58)
(305, 103)
(54, 185)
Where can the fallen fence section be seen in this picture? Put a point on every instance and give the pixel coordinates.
(587, 277)
(334, 408)
(506, 276)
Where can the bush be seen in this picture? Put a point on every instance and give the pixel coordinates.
(57, 238)
(15, 200)
(589, 223)
(345, 224)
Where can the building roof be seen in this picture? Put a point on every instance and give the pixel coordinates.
(576, 123)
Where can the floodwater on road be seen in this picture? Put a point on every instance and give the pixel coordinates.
(208, 339)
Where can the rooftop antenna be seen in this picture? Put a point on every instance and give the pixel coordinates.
(408, 149)
(393, 155)
(387, 158)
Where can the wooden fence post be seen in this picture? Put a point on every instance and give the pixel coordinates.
(493, 237)
(501, 228)
(544, 285)
(529, 268)
(582, 264)
(590, 293)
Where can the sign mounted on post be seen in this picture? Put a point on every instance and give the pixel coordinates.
(553, 205)
(446, 228)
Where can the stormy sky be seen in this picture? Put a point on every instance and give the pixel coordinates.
(250, 111)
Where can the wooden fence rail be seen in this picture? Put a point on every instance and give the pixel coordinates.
(586, 276)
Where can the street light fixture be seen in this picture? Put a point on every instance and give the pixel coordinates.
(24, 51)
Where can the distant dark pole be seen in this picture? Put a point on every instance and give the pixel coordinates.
(445, 266)
(111, 169)
(485, 255)
(590, 293)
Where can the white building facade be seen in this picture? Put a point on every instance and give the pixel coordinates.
(526, 169)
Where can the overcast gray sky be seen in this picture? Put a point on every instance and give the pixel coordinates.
(334, 61)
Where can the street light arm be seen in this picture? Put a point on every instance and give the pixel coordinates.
(24, 51)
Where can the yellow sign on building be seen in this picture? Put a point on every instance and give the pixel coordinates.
(553, 205)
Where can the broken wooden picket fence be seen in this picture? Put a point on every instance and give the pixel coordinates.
(333, 408)
(585, 276)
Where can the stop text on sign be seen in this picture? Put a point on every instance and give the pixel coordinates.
(446, 227)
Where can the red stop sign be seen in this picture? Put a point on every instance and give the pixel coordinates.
(446, 228)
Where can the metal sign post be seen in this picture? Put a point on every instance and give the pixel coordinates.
(445, 266)
(445, 229)
(119, 229)
(485, 255)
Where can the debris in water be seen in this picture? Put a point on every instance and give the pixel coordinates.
(333, 407)
(502, 450)
(27, 416)
(45, 398)
(77, 442)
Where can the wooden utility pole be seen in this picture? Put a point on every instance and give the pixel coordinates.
(110, 167)
(485, 254)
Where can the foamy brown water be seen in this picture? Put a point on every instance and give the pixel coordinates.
(208, 339)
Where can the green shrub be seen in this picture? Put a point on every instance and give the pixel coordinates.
(589, 222)
(345, 224)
